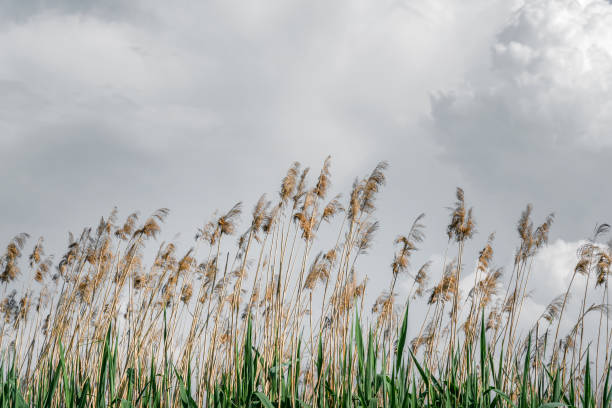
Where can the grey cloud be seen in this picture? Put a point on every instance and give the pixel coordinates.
(145, 104)
(20, 11)
(63, 177)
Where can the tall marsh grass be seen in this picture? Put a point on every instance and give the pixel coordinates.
(274, 314)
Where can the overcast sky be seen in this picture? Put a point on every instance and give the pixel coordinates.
(194, 106)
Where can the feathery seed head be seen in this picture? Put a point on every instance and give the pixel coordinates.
(289, 182)
(323, 182)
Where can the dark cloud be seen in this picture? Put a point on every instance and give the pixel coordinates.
(21, 11)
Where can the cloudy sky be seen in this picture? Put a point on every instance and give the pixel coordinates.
(148, 104)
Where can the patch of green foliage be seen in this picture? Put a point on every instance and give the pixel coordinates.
(363, 380)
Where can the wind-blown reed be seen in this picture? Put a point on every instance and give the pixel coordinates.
(277, 319)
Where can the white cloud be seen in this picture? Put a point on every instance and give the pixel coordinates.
(553, 269)
(533, 123)
(551, 274)
(549, 83)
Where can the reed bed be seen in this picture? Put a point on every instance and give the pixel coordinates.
(272, 313)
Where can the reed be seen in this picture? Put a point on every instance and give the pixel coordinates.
(276, 314)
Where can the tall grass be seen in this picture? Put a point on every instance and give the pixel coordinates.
(279, 318)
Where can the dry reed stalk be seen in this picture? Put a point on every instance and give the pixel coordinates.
(201, 310)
